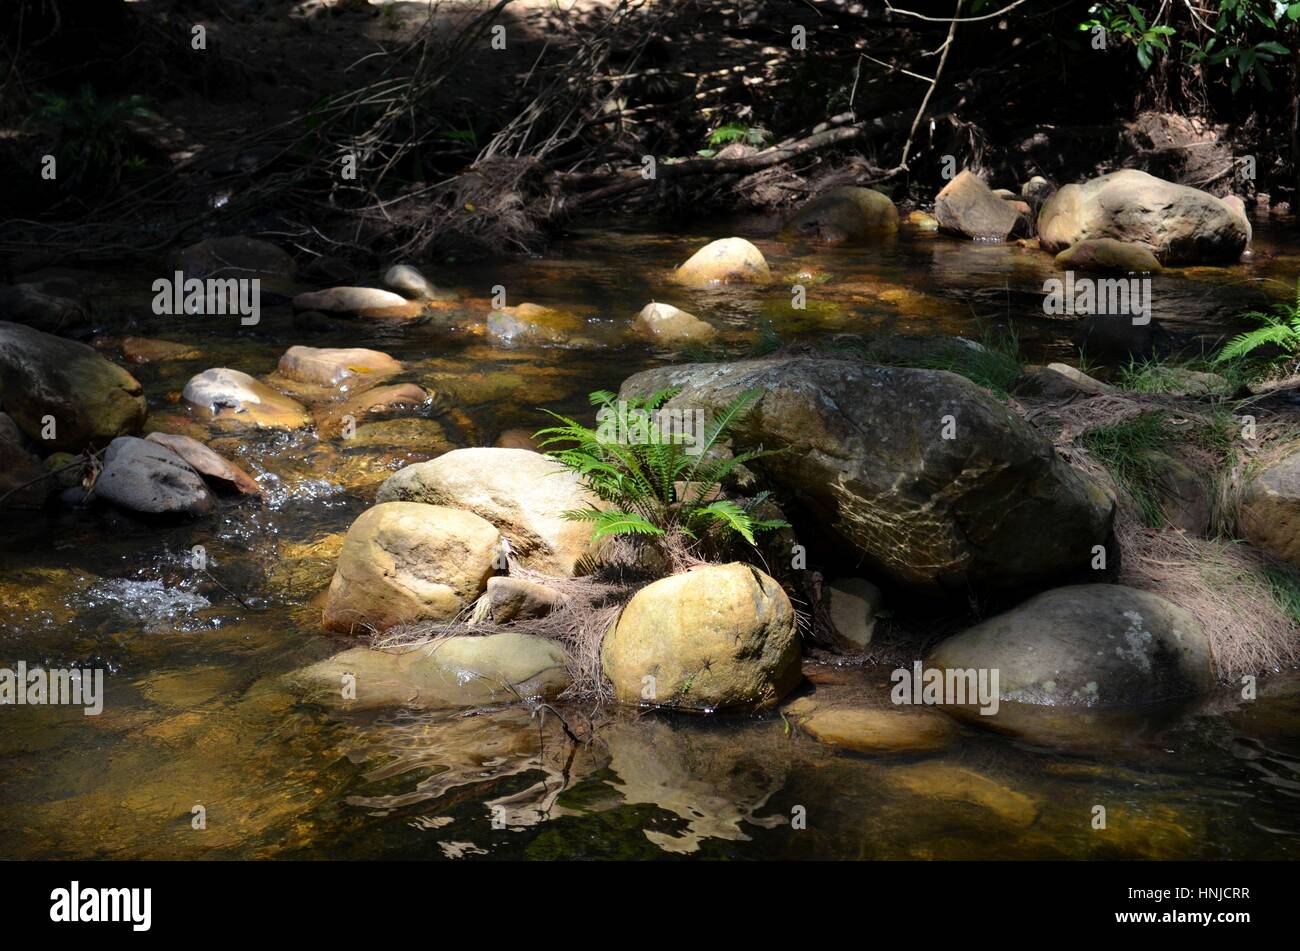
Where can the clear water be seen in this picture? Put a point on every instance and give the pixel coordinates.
(198, 711)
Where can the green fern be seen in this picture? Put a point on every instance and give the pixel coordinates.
(1281, 327)
(637, 478)
(91, 133)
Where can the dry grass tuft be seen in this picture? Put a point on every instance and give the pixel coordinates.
(590, 604)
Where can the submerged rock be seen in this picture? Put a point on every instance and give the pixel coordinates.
(865, 451)
(923, 221)
(957, 785)
(149, 478)
(1107, 255)
(532, 323)
(713, 638)
(326, 366)
(234, 397)
(214, 468)
(406, 561)
(455, 672)
(371, 403)
(844, 214)
(1181, 224)
(966, 206)
(524, 494)
(665, 324)
(725, 261)
(837, 719)
(1087, 645)
(89, 400)
(146, 350)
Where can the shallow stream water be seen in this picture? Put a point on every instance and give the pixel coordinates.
(198, 710)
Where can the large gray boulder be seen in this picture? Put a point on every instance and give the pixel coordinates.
(865, 454)
(1087, 645)
(89, 400)
(1180, 224)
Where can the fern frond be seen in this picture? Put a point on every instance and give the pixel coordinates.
(726, 512)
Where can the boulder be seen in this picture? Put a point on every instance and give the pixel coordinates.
(23, 484)
(1061, 381)
(517, 439)
(455, 672)
(532, 323)
(220, 472)
(1037, 190)
(357, 302)
(236, 399)
(725, 261)
(865, 456)
(524, 494)
(1107, 255)
(514, 599)
(718, 637)
(967, 207)
(1185, 493)
(28, 305)
(149, 478)
(413, 285)
(327, 366)
(852, 603)
(666, 325)
(1180, 224)
(91, 400)
(1270, 509)
(405, 561)
(1087, 645)
(236, 257)
(846, 214)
